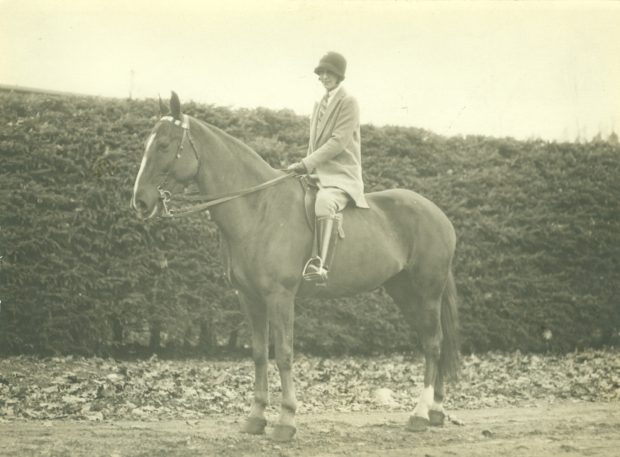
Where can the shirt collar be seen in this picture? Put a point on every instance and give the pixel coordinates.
(333, 93)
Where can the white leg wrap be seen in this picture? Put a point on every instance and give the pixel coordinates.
(424, 402)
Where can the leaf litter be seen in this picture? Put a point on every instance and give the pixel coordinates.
(96, 389)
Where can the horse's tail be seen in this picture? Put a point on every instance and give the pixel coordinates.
(449, 360)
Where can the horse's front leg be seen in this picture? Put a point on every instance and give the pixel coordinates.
(256, 312)
(281, 316)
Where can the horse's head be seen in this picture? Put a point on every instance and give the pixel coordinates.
(170, 161)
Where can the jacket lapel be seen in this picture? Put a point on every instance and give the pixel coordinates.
(313, 126)
(328, 112)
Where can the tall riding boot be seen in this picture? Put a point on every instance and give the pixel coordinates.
(316, 268)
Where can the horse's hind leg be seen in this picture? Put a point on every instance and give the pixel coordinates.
(430, 332)
(419, 298)
(437, 413)
(256, 313)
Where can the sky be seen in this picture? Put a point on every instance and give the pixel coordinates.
(526, 70)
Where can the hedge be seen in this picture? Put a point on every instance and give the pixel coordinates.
(538, 226)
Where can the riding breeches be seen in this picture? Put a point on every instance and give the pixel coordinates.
(329, 201)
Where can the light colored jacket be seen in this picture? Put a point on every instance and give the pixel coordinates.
(334, 150)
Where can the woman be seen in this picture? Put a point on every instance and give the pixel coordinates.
(334, 158)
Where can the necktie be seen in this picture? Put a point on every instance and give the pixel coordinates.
(322, 107)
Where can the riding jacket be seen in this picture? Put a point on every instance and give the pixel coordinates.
(334, 152)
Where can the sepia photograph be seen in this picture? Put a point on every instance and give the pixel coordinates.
(309, 228)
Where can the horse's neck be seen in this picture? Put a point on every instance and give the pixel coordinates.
(227, 165)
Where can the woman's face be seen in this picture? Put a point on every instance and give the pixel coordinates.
(330, 80)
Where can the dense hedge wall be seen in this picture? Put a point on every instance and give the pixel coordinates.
(538, 224)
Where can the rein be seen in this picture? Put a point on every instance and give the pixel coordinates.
(213, 200)
(165, 196)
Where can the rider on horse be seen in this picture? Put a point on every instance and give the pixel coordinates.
(333, 159)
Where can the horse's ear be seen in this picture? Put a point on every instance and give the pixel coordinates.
(175, 106)
(163, 109)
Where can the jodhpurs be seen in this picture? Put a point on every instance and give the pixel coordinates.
(329, 201)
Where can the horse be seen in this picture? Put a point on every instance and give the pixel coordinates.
(403, 243)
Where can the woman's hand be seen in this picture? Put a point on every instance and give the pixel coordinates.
(297, 167)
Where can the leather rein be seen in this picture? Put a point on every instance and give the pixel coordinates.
(207, 201)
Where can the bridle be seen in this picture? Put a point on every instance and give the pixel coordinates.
(165, 196)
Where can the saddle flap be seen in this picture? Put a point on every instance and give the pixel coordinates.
(310, 188)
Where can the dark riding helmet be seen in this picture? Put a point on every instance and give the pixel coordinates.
(334, 62)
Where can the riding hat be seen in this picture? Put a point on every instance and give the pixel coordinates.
(334, 62)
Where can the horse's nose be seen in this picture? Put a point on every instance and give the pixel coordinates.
(145, 202)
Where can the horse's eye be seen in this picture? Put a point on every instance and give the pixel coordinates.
(162, 147)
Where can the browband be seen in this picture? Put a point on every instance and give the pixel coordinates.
(184, 123)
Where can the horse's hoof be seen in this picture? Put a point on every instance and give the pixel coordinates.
(417, 424)
(283, 433)
(436, 417)
(254, 426)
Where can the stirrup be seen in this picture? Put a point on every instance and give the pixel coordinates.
(314, 272)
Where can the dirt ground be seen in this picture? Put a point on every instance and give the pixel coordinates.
(566, 429)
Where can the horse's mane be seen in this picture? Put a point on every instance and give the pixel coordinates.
(234, 144)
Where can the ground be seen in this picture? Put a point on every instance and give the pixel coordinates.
(503, 405)
(566, 429)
